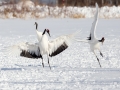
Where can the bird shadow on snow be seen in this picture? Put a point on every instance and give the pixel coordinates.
(11, 69)
(34, 66)
(25, 67)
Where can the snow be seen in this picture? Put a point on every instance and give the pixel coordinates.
(25, 4)
(74, 69)
(27, 10)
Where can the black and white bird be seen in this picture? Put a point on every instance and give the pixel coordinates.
(44, 46)
(56, 46)
(92, 40)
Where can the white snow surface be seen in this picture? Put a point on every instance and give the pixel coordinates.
(74, 69)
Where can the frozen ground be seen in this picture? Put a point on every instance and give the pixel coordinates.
(74, 69)
(28, 10)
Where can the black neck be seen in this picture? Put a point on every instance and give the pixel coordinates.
(44, 32)
(36, 26)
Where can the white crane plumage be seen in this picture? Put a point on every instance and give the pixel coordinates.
(25, 49)
(54, 47)
(92, 40)
(44, 46)
(39, 34)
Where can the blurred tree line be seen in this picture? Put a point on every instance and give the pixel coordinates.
(88, 2)
(74, 2)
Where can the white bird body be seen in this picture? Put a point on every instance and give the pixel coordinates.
(94, 45)
(92, 40)
(43, 41)
(39, 35)
(43, 44)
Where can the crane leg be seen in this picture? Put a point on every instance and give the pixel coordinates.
(42, 62)
(101, 54)
(97, 59)
(49, 63)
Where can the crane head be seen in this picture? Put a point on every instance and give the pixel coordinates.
(35, 23)
(102, 40)
(48, 31)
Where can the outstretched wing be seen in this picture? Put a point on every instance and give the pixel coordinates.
(94, 24)
(61, 43)
(26, 50)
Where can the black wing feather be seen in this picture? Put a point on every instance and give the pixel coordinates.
(89, 38)
(27, 54)
(59, 49)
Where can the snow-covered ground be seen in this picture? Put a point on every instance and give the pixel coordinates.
(74, 69)
(29, 10)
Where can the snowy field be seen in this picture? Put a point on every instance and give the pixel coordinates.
(74, 69)
(28, 10)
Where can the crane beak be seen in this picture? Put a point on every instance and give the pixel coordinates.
(49, 34)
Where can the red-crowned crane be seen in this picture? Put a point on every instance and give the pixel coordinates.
(92, 40)
(44, 46)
